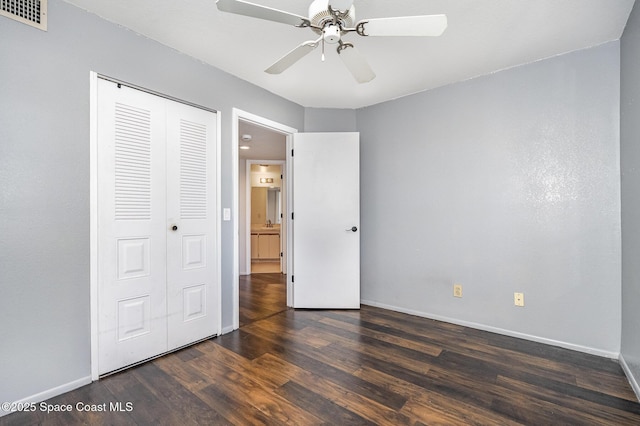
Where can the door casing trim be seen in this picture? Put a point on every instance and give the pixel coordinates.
(237, 115)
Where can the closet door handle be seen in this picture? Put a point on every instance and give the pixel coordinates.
(353, 229)
(174, 228)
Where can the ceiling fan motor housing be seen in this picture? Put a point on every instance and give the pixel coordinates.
(320, 16)
(331, 34)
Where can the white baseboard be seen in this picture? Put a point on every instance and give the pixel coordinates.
(50, 393)
(505, 332)
(632, 379)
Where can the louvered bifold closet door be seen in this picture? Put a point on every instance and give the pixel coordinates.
(191, 208)
(157, 225)
(131, 226)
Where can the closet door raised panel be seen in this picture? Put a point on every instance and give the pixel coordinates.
(131, 222)
(191, 225)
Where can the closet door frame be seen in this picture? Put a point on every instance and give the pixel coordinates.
(93, 209)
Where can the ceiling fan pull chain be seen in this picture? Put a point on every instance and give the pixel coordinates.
(323, 46)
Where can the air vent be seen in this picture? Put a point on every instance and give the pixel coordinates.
(30, 12)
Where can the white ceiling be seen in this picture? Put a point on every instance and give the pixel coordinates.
(483, 36)
(265, 143)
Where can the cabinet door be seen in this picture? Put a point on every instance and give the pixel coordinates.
(254, 246)
(263, 246)
(274, 246)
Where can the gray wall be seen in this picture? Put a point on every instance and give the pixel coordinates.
(329, 120)
(44, 178)
(629, 160)
(504, 183)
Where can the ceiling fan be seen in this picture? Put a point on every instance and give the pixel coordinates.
(331, 19)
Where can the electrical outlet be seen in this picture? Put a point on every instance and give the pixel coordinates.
(518, 299)
(457, 290)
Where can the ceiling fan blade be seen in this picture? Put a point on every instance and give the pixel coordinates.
(426, 25)
(356, 63)
(241, 7)
(341, 5)
(292, 57)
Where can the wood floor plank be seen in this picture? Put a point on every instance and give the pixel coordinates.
(261, 295)
(613, 384)
(336, 393)
(433, 407)
(220, 360)
(319, 406)
(591, 411)
(183, 403)
(235, 410)
(147, 407)
(304, 335)
(422, 347)
(323, 355)
(184, 372)
(484, 352)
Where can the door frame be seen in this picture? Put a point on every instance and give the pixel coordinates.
(93, 208)
(285, 223)
(237, 115)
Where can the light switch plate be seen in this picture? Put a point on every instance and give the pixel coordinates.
(226, 214)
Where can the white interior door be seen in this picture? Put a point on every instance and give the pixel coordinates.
(326, 234)
(131, 221)
(157, 225)
(191, 226)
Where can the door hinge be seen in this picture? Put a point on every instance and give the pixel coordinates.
(280, 254)
(292, 216)
(293, 279)
(281, 177)
(281, 216)
(292, 153)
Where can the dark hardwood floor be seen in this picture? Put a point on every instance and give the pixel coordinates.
(262, 295)
(371, 366)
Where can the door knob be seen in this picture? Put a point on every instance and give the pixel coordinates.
(353, 229)
(174, 228)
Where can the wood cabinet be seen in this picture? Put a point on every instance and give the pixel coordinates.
(265, 246)
(254, 246)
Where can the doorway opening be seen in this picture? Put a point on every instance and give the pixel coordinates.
(262, 283)
(266, 210)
